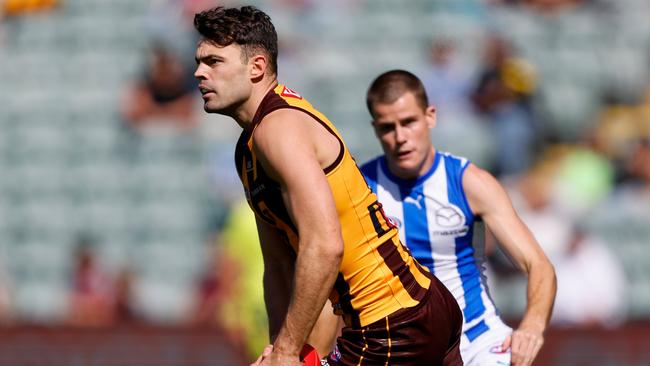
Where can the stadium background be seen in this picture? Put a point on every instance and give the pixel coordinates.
(156, 202)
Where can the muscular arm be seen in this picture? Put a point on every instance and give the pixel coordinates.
(488, 199)
(294, 154)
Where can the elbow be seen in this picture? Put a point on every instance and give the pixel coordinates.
(339, 254)
(547, 270)
(553, 276)
(333, 253)
(543, 268)
(326, 250)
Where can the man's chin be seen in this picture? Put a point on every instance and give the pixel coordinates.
(405, 171)
(212, 109)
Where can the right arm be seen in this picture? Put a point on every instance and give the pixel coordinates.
(489, 200)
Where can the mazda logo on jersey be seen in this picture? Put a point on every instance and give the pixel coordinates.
(449, 216)
(450, 221)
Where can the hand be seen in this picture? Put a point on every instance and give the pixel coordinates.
(265, 353)
(524, 344)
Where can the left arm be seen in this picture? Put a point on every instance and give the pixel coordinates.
(488, 199)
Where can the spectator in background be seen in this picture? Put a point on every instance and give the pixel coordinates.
(623, 219)
(447, 82)
(97, 299)
(552, 6)
(230, 294)
(16, 8)
(639, 166)
(5, 296)
(502, 96)
(90, 296)
(214, 288)
(122, 308)
(19, 7)
(591, 282)
(164, 95)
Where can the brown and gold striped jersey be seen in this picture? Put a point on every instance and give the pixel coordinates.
(378, 275)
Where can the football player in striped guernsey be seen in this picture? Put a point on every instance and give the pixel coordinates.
(439, 203)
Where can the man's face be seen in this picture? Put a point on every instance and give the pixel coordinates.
(223, 75)
(402, 128)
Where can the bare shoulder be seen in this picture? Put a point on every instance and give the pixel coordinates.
(283, 122)
(477, 180)
(295, 134)
(285, 144)
(482, 189)
(281, 131)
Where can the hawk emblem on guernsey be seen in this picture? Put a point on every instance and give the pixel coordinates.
(394, 221)
(286, 92)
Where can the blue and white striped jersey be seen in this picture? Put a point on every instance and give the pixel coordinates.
(438, 226)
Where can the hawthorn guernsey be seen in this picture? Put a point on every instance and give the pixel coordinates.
(376, 264)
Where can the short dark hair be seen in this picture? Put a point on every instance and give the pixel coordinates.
(247, 26)
(391, 85)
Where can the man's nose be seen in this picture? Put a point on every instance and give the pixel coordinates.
(400, 134)
(199, 73)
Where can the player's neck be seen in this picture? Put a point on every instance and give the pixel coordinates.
(245, 114)
(417, 172)
(428, 162)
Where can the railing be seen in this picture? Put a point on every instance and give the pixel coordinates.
(123, 346)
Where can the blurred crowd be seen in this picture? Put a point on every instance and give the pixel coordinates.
(570, 140)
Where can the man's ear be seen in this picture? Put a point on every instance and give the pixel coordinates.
(258, 65)
(431, 116)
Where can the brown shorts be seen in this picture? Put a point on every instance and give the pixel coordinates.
(427, 334)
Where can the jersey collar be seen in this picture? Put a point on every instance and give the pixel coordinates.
(409, 182)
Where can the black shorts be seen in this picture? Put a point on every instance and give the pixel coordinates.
(427, 334)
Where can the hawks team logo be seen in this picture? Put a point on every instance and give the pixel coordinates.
(392, 220)
(286, 92)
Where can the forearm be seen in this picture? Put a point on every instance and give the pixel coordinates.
(541, 291)
(315, 273)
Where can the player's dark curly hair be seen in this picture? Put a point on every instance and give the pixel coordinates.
(247, 26)
(391, 85)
